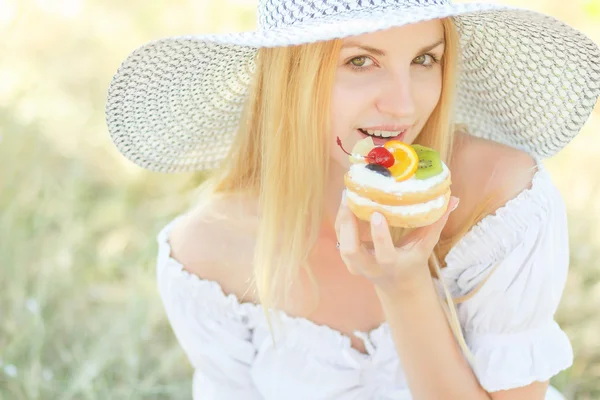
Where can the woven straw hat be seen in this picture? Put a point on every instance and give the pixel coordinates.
(525, 78)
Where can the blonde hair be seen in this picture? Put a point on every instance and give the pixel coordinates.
(281, 157)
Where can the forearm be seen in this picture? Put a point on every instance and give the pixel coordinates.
(431, 358)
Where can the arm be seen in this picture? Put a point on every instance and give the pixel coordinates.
(433, 363)
(213, 332)
(422, 335)
(431, 357)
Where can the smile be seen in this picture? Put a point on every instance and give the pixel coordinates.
(381, 136)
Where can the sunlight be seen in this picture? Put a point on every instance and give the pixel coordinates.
(8, 11)
(592, 8)
(63, 8)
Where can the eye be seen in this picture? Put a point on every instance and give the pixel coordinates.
(360, 62)
(426, 60)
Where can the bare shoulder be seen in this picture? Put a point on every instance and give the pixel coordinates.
(484, 168)
(216, 242)
(485, 176)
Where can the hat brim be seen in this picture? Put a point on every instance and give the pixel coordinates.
(525, 79)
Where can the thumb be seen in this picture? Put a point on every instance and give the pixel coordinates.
(452, 205)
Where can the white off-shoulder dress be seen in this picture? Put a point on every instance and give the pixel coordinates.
(508, 324)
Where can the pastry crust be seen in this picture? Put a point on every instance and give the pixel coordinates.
(398, 220)
(392, 199)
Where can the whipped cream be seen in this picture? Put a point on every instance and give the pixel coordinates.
(403, 210)
(371, 179)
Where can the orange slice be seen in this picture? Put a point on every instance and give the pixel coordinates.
(406, 160)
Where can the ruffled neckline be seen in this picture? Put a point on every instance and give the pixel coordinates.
(497, 234)
(250, 313)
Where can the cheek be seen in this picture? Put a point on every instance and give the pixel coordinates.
(349, 98)
(338, 122)
(339, 105)
(428, 95)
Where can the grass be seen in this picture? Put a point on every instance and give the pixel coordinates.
(80, 317)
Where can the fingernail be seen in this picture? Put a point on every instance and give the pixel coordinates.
(344, 201)
(377, 218)
(457, 200)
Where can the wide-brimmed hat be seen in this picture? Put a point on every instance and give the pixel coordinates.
(525, 78)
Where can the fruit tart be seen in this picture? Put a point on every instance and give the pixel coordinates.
(408, 184)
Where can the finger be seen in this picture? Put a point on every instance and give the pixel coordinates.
(348, 237)
(346, 227)
(344, 215)
(351, 250)
(383, 245)
(354, 270)
(359, 262)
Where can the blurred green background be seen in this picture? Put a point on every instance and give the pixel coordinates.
(80, 317)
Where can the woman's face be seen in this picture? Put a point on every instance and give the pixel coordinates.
(387, 83)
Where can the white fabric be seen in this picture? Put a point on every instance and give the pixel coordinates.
(508, 324)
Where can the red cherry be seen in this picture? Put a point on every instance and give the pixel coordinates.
(381, 156)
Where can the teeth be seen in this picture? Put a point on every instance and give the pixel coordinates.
(383, 134)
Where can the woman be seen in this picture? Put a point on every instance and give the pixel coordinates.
(273, 288)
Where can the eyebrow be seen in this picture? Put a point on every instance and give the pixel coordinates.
(381, 53)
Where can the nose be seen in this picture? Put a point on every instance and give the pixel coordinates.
(396, 97)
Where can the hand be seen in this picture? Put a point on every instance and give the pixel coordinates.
(387, 265)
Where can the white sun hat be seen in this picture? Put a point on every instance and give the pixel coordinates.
(525, 78)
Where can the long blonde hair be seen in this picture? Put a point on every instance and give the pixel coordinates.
(281, 157)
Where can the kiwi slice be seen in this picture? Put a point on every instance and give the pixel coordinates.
(429, 163)
(420, 149)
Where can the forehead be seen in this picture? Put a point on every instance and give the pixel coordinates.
(418, 34)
